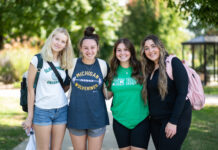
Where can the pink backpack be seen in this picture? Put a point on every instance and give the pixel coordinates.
(195, 88)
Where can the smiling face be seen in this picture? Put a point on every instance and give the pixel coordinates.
(123, 54)
(89, 49)
(151, 51)
(58, 42)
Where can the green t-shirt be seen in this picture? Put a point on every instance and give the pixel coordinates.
(128, 107)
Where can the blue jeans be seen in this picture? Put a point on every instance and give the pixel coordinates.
(45, 117)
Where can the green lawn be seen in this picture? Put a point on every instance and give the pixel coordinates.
(203, 134)
(11, 117)
(211, 90)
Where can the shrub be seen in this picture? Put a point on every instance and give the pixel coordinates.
(14, 62)
(7, 71)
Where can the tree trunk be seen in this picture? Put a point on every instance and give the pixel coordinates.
(1, 42)
(1, 32)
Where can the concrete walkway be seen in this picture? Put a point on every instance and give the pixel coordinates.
(109, 140)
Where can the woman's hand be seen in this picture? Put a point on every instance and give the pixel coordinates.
(66, 88)
(170, 130)
(27, 125)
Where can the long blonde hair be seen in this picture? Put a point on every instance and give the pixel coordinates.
(148, 67)
(66, 55)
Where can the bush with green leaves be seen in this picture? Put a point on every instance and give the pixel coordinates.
(13, 63)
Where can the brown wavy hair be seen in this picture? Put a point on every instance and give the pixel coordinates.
(134, 63)
(148, 67)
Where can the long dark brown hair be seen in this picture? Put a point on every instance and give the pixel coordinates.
(148, 67)
(134, 63)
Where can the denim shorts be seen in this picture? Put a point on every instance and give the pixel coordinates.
(90, 132)
(45, 117)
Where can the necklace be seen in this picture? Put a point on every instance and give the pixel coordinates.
(88, 66)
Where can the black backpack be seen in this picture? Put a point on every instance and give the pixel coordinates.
(23, 89)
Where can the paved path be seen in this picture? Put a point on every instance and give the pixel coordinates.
(109, 140)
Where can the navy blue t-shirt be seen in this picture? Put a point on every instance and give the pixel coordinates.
(87, 108)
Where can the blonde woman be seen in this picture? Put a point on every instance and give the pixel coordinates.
(170, 112)
(47, 104)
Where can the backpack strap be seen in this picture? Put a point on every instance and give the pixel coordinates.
(70, 71)
(39, 67)
(103, 66)
(102, 63)
(169, 68)
(104, 71)
(56, 73)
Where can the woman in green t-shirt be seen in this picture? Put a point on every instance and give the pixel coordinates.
(130, 111)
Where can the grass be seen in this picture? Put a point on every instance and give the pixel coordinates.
(211, 90)
(203, 134)
(11, 117)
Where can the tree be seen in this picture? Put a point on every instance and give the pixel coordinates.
(201, 12)
(154, 17)
(138, 23)
(40, 17)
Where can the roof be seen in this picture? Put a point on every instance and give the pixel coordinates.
(207, 39)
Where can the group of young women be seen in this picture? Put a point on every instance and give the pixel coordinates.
(145, 100)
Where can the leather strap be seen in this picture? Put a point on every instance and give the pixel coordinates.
(57, 74)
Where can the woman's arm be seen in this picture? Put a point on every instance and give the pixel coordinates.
(107, 94)
(31, 96)
(110, 95)
(181, 83)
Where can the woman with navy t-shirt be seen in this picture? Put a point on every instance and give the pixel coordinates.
(87, 113)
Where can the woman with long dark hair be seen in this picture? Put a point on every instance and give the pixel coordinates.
(170, 112)
(130, 111)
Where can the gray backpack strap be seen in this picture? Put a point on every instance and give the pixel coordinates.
(103, 66)
(70, 73)
(104, 69)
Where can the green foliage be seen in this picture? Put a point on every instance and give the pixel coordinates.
(211, 90)
(203, 14)
(201, 11)
(41, 17)
(154, 17)
(7, 74)
(203, 133)
(13, 63)
(140, 22)
(11, 116)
